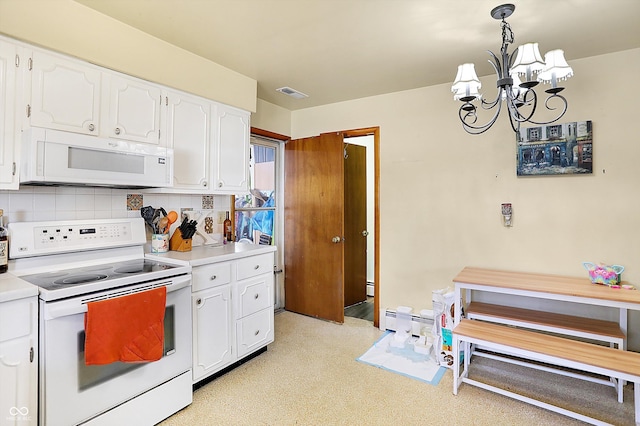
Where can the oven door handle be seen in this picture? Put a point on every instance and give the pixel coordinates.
(77, 305)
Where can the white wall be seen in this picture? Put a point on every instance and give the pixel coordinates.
(441, 189)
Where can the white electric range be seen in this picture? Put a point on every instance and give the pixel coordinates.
(77, 262)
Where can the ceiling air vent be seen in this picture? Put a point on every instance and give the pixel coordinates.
(292, 92)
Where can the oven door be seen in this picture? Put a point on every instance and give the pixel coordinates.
(72, 392)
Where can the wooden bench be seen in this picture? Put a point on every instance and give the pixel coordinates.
(587, 328)
(545, 348)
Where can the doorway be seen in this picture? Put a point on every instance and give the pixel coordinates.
(360, 218)
(314, 213)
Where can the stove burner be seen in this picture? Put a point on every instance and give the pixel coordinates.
(81, 279)
(52, 275)
(133, 269)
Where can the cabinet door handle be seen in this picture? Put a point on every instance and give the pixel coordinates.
(117, 131)
(256, 267)
(199, 301)
(31, 354)
(256, 296)
(256, 332)
(219, 184)
(213, 277)
(91, 127)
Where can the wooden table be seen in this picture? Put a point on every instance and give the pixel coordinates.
(544, 286)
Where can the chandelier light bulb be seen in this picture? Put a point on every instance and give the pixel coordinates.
(528, 62)
(555, 69)
(467, 84)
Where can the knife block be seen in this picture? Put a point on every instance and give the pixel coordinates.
(177, 243)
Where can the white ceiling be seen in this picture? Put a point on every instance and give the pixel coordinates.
(337, 50)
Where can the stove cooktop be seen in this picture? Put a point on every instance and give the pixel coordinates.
(107, 273)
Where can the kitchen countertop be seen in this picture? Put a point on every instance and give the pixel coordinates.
(13, 288)
(203, 255)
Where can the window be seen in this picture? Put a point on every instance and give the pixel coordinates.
(554, 132)
(255, 212)
(534, 134)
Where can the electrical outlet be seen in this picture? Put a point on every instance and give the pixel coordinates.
(221, 217)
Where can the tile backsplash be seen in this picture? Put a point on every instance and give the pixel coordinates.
(38, 203)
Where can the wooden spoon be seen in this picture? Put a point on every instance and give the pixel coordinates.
(163, 224)
(172, 216)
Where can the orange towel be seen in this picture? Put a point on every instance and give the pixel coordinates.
(128, 328)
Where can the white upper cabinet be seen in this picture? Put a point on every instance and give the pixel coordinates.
(231, 168)
(45, 89)
(74, 96)
(65, 94)
(9, 133)
(188, 120)
(132, 109)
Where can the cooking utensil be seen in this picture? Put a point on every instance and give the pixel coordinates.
(172, 216)
(163, 224)
(187, 228)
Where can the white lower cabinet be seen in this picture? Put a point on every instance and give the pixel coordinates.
(232, 312)
(19, 362)
(212, 337)
(254, 331)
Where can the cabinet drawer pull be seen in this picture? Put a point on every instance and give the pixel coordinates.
(256, 296)
(256, 267)
(256, 332)
(199, 301)
(213, 277)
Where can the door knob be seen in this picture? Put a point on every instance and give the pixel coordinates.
(336, 240)
(365, 233)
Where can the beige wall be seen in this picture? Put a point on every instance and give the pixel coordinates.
(272, 118)
(73, 29)
(441, 189)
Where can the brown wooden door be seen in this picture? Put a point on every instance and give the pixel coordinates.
(313, 217)
(355, 224)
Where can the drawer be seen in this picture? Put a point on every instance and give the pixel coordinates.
(213, 275)
(255, 265)
(254, 332)
(253, 295)
(16, 318)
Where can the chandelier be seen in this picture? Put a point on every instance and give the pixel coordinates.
(520, 97)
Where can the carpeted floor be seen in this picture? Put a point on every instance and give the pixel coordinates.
(310, 376)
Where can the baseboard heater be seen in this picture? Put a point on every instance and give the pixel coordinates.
(418, 321)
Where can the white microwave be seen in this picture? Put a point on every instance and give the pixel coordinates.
(52, 157)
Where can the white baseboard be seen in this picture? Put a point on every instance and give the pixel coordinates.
(388, 320)
(370, 290)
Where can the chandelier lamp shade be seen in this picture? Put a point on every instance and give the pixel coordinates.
(517, 74)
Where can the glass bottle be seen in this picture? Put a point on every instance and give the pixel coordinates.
(228, 235)
(4, 245)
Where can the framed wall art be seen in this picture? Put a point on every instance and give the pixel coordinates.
(555, 149)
